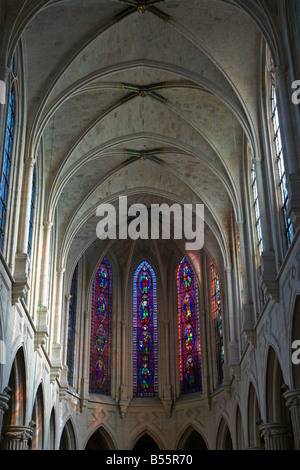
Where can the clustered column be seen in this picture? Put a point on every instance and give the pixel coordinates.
(292, 398)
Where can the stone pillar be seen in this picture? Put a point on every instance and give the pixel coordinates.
(233, 355)
(26, 205)
(45, 264)
(18, 437)
(58, 306)
(276, 436)
(292, 398)
(248, 319)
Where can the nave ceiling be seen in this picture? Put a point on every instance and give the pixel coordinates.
(182, 80)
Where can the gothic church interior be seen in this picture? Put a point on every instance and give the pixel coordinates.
(127, 343)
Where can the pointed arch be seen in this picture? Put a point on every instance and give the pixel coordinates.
(191, 439)
(100, 440)
(240, 441)
(101, 313)
(275, 404)
(146, 440)
(38, 417)
(224, 441)
(52, 431)
(253, 419)
(188, 329)
(68, 440)
(145, 343)
(16, 413)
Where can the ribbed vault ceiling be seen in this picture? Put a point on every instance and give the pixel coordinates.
(204, 65)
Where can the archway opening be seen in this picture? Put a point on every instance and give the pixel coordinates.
(100, 440)
(146, 443)
(195, 442)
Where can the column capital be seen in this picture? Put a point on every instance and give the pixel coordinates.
(292, 398)
(4, 399)
(274, 429)
(47, 225)
(18, 437)
(30, 162)
(61, 271)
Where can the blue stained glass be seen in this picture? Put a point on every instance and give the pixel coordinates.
(7, 163)
(31, 217)
(72, 326)
(188, 329)
(101, 312)
(281, 167)
(145, 352)
(218, 321)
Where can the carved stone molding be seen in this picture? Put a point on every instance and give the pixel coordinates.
(21, 277)
(18, 437)
(277, 436)
(41, 333)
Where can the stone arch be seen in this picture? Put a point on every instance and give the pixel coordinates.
(191, 439)
(224, 441)
(100, 440)
(253, 419)
(52, 431)
(68, 439)
(16, 413)
(240, 440)
(275, 404)
(38, 417)
(277, 431)
(145, 442)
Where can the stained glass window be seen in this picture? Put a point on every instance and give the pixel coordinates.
(280, 167)
(100, 357)
(145, 352)
(218, 321)
(7, 163)
(188, 329)
(72, 326)
(256, 210)
(32, 205)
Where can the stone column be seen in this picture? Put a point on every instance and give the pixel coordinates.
(247, 307)
(45, 264)
(233, 355)
(292, 398)
(276, 436)
(18, 437)
(26, 205)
